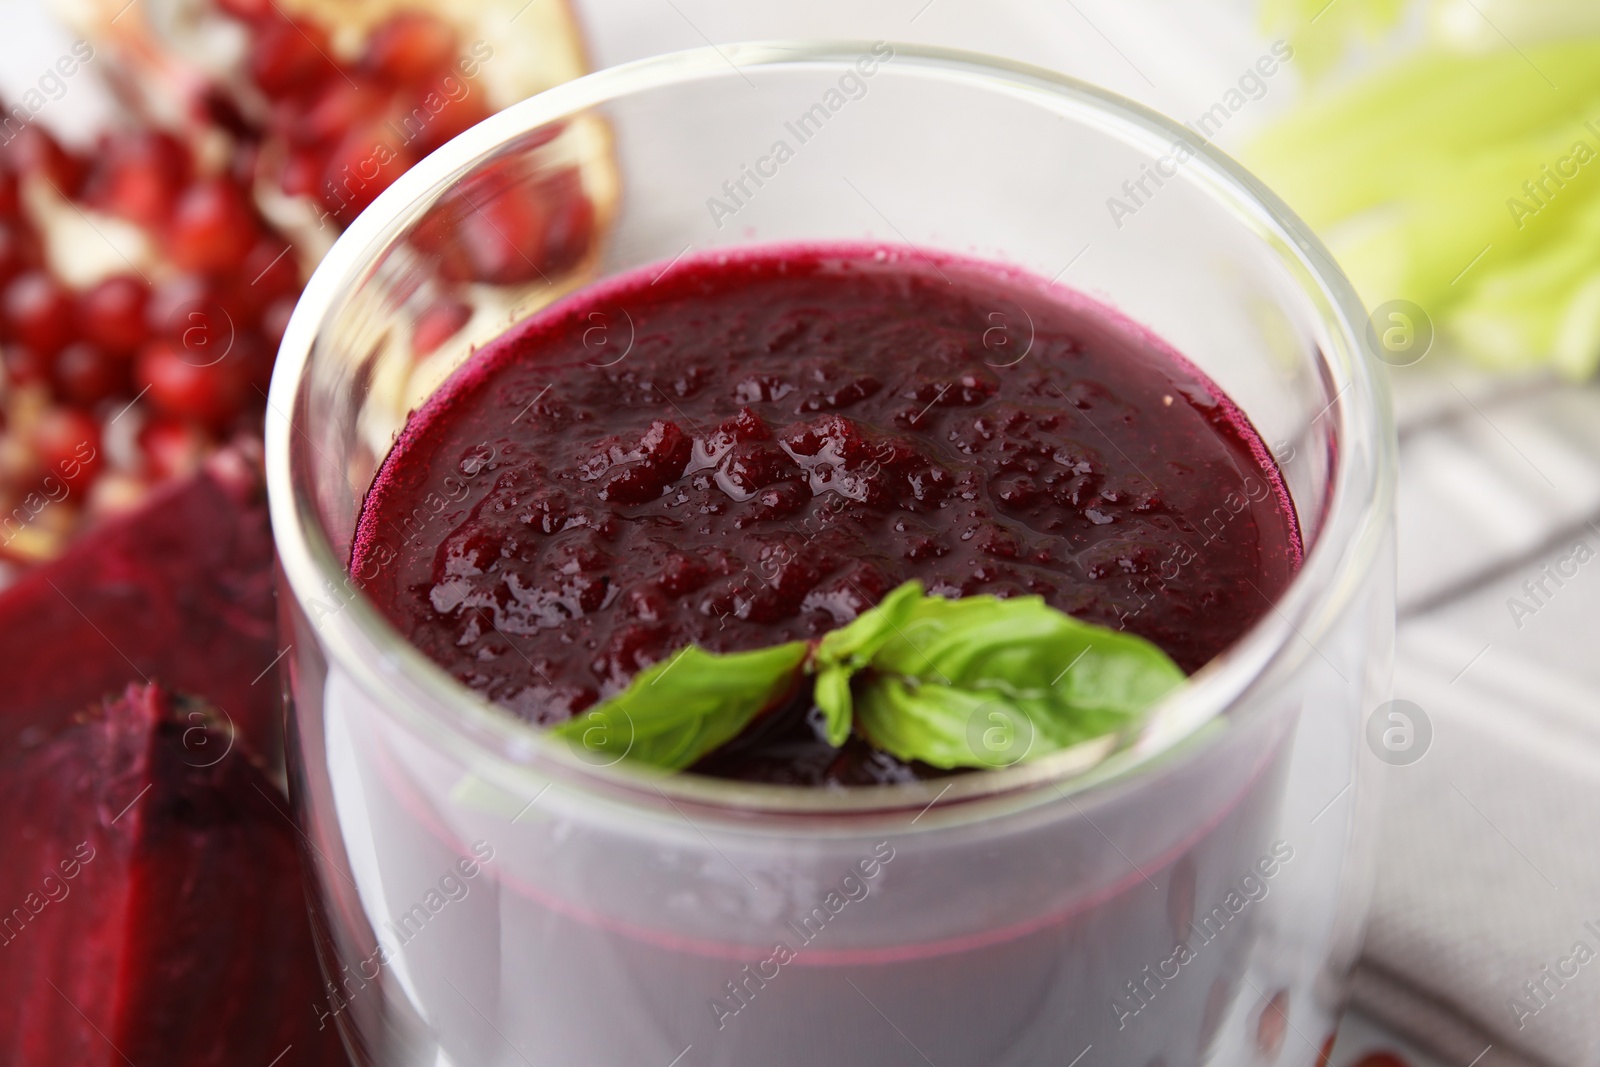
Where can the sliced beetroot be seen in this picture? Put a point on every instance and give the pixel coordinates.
(156, 914)
(178, 592)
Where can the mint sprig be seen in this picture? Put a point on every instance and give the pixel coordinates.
(975, 682)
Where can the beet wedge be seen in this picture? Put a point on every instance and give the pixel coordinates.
(153, 912)
(179, 592)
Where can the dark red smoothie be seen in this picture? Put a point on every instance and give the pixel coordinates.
(752, 449)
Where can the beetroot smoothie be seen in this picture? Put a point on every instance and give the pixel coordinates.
(753, 449)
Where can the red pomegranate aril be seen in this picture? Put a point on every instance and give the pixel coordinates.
(185, 388)
(36, 152)
(289, 57)
(369, 158)
(138, 175)
(19, 248)
(408, 47)
(452, 118)
(212, 226)
(500, 240)
(38, 312)
(269, 271)
(67, 444)
(275, 320)
(571, 223)
(23, 365)
(301, 174)
(10, 196)
(437, 325)
(84, 375)
(340, 105)
(251, 365)
(247, 10)
(172, 447)
(197, 313)
(112, 313)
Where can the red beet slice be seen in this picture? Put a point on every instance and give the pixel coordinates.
(153, 905)
(178, 592)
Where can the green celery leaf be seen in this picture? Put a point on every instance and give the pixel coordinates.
(843, 652)
(683, 708)
(984, 682)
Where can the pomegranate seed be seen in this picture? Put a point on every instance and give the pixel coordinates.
(67, 444)
(179, 387)
(1381, 1059)
(409, 47)
(138, 175)
(36, 152)
(339, 106)
(438, 324)
(302, 173)
(270, 270)
(172, 448)
(19, 249)
(112, 313)
(254, 358)
(10, 197)
(504, 238)
(24, 366)
(275, 320)
(289, 57)
(212, 226)
(38, 312)
(246, 10)
(454, 117)
(195, 312)
(84, 375)
(571, 223)
(368, 159)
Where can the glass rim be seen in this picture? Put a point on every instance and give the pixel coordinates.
(492, 741)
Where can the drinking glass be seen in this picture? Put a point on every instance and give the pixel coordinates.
(1188, 893)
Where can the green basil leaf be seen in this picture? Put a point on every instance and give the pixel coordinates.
(676, 711)
(843, 652)
(984, 682)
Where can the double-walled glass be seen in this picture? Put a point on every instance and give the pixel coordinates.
(1190, 894)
